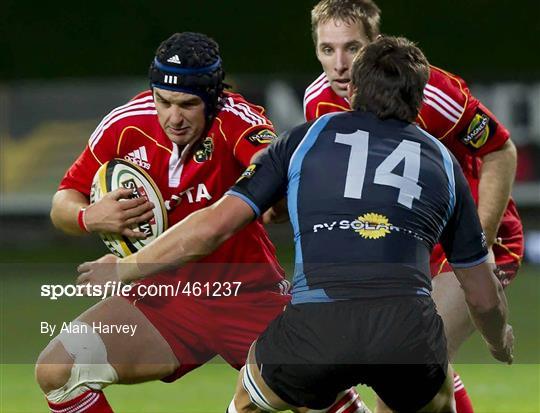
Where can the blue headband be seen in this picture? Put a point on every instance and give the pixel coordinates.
(186, 71)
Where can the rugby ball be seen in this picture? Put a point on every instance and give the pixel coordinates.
(119, 173)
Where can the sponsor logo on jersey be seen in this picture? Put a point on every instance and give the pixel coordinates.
(192, 195)
(204, 151)
(262, 137)
(478, 131)
(248, 173)
(138, 157)
(368, 226)
(374, 226)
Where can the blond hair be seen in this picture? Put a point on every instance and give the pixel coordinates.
(348, 11)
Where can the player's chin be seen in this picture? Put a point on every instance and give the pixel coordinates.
(341, 89)
(179, 138)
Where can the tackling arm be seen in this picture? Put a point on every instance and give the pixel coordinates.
(194, 237)
(488, 308)
(496, 179)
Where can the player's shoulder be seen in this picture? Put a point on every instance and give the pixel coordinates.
(445, 102)
(447, 86)
(139, 111)
(237, 105)
(238, 117)
(317, 90)
(320, 83)
(140, 107)
(320, 99)
(310, 129)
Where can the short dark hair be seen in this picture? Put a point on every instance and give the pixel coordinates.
(389, 77)
(348, 11)
(193, 62)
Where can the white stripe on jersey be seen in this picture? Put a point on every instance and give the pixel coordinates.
(439, 109)
(120, 109)
(315, 84)
(146, 102)
(247, 115)
(95, 141)
(316, 87)
(251, 113)
(314, 95)
(447, 98)
(442, 102)
(247, 111)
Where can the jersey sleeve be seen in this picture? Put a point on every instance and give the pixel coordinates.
(480, 132)
(450, 112)
(100, 149)
(245, 128)
(462, 239)
(265, 181)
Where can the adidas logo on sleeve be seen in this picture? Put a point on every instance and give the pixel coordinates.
(139, 157)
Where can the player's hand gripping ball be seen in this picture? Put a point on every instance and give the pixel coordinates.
(119, 173)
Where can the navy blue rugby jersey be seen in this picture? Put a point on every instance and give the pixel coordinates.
(368, 199)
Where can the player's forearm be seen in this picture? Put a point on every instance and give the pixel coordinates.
(66, 205)
(492, 323)
(193, 238)
(496, 179)
(486, 301)
(187, 241)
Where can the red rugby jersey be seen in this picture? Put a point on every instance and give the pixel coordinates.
(209, 168)
(450, 113)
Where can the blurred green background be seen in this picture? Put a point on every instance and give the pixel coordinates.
(481, 39)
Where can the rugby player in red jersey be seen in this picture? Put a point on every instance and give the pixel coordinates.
(452, 114)
(194, 139)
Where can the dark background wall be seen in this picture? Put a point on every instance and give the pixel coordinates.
(479, 39)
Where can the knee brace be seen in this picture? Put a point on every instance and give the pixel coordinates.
(90, 370)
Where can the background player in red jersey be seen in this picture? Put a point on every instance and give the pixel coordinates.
(194, 139)
(452, 114)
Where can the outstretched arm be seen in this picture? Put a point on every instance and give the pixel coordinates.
(194, 237)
